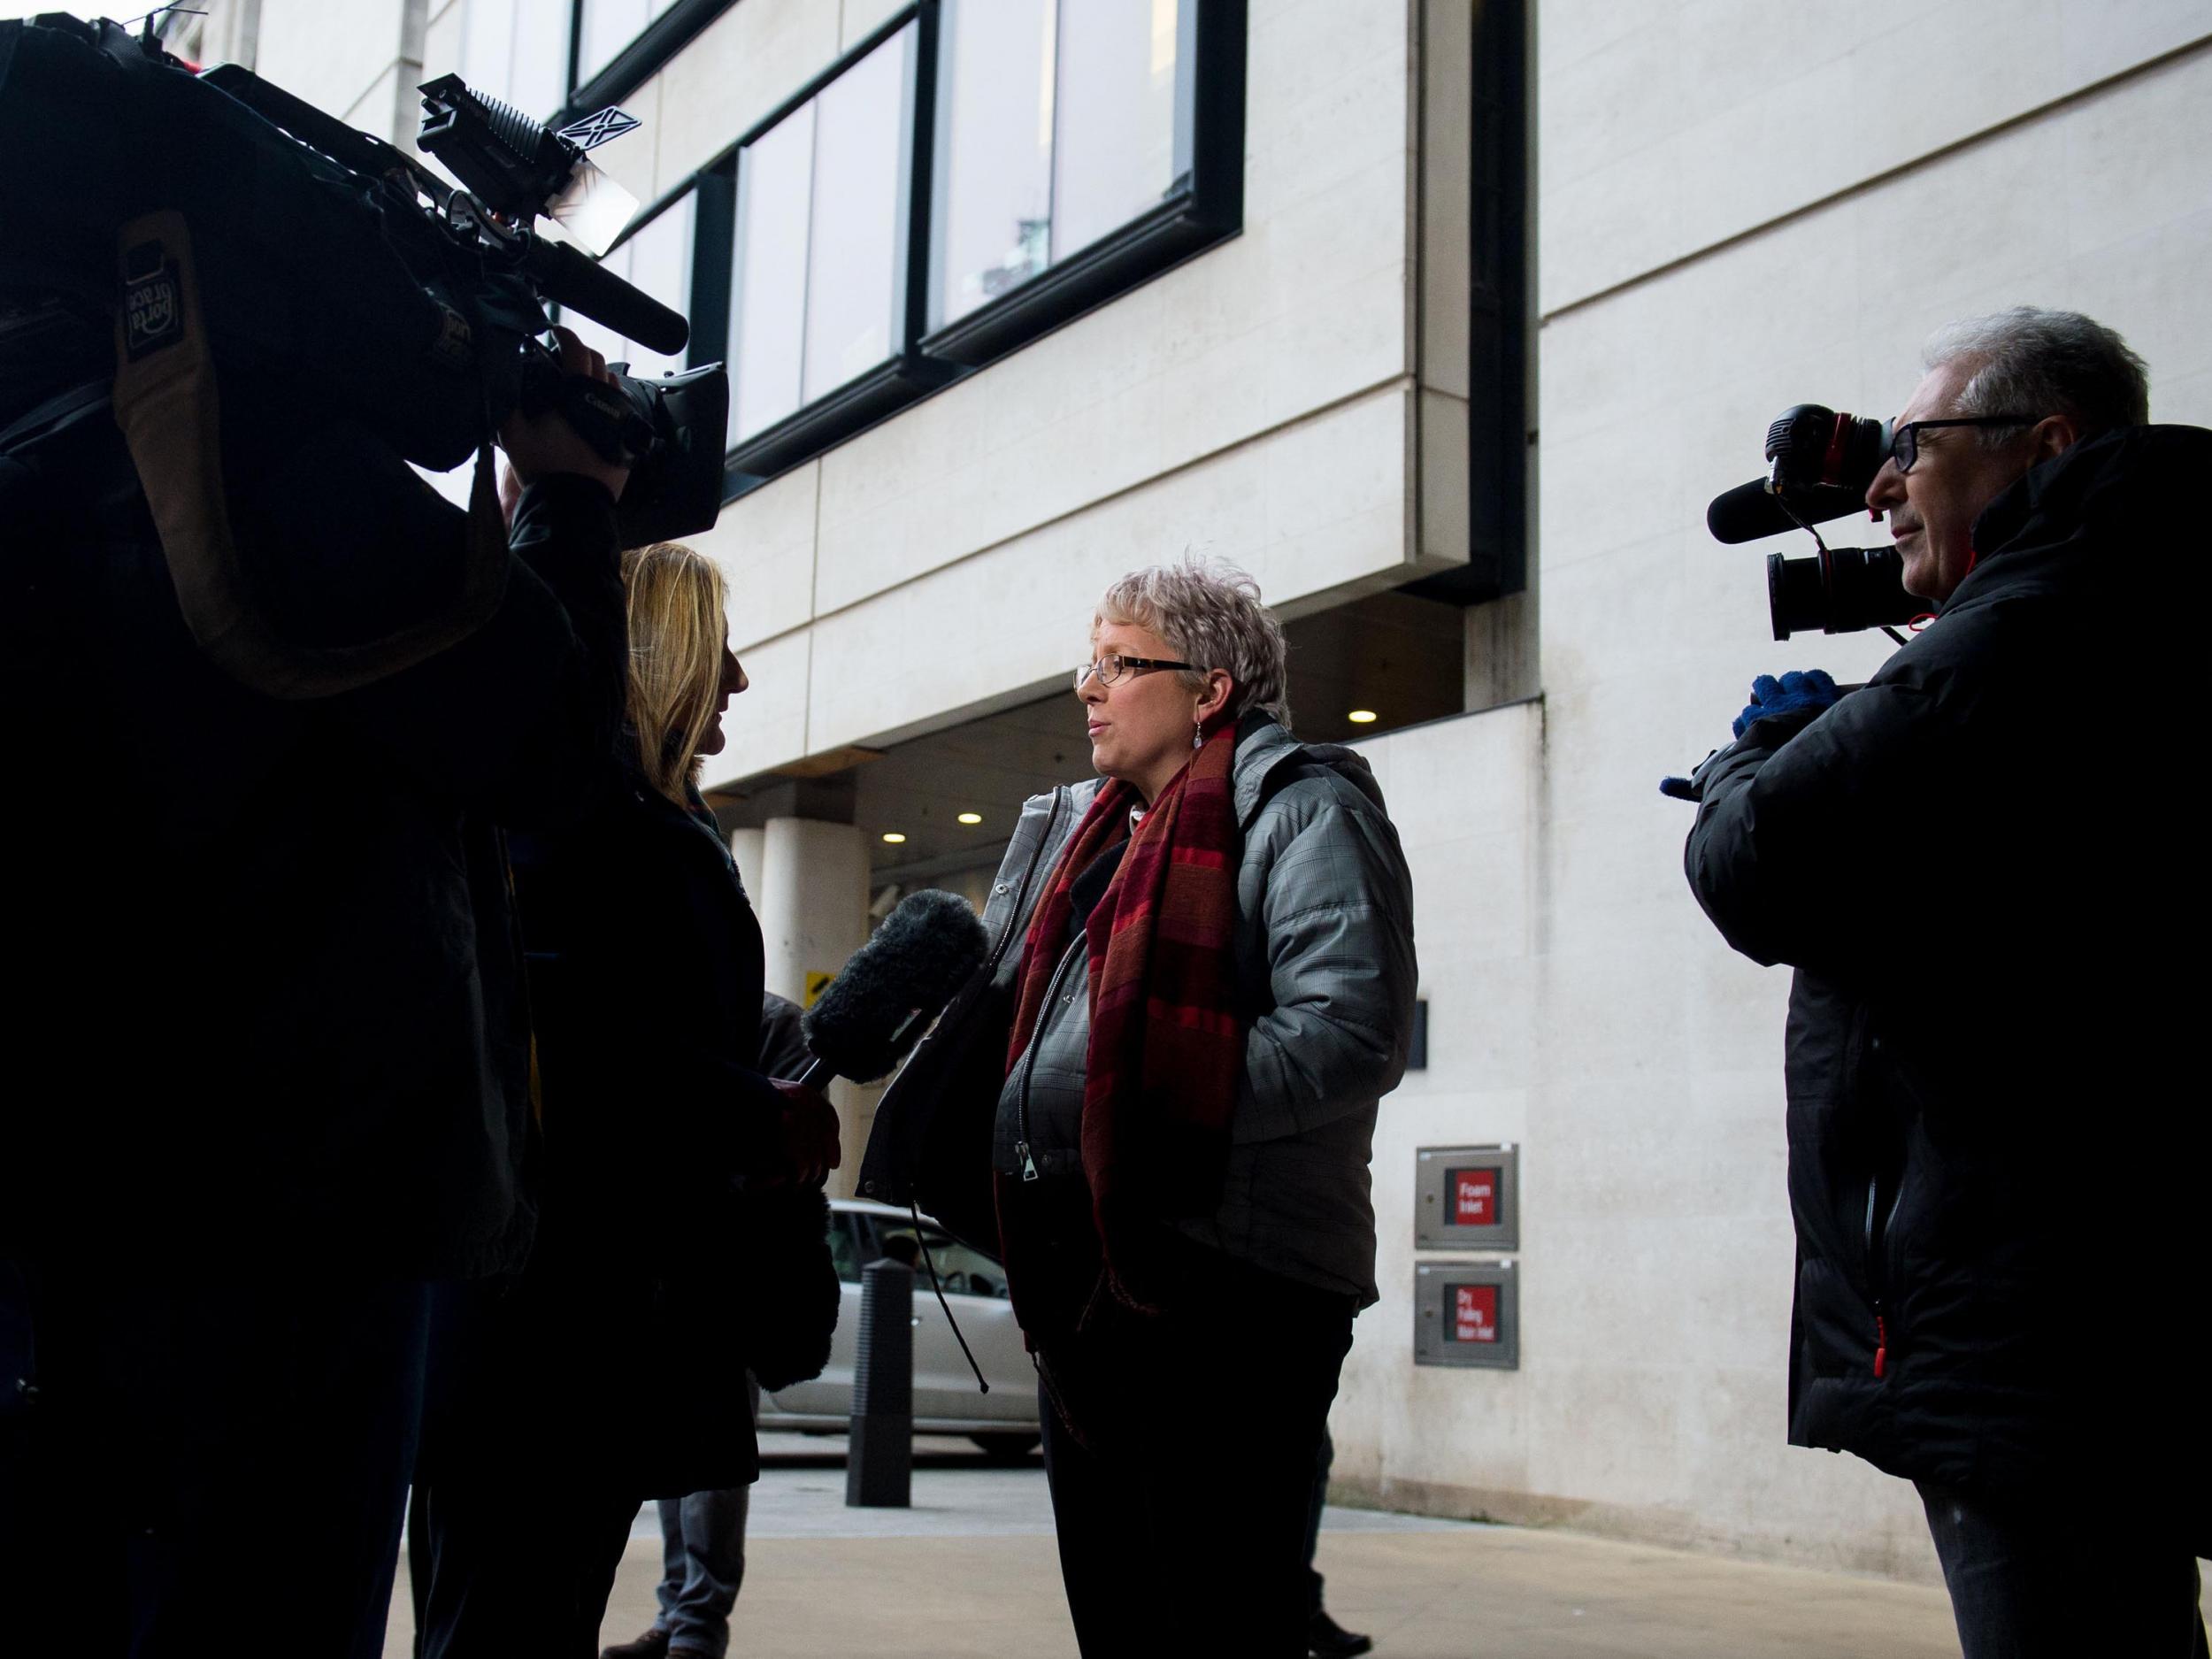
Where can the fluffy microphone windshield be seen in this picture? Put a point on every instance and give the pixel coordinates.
(894, 985)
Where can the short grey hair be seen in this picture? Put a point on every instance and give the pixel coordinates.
(1209, 613)
(2027, 361)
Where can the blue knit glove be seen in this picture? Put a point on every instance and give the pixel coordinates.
(1808, 692)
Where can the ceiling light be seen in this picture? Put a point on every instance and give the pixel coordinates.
(1362, 717)
(893, 838)
(971, 817)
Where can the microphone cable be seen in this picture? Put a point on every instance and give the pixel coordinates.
(921, 1238)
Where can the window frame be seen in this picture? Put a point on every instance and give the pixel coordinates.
(1208, 209)
(646, 55)
(907, 374)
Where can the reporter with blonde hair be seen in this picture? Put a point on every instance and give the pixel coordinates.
(617, 1370)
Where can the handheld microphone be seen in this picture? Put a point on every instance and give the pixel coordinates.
(876, 1010)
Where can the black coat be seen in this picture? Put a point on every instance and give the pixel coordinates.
(269, 1005)
(1982, 866)
(645, 971)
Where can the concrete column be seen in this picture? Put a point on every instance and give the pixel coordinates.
(812, 898)
(747, 846)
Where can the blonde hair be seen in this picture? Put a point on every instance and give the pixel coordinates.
(675, 601)
(1209, 613)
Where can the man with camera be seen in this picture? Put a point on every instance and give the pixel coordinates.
(1972, 864)
(272, 1073)
(273, 1089)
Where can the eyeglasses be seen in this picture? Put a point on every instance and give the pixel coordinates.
(1113, 668)
(1904, 443)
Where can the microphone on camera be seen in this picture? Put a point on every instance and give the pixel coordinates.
(876, 1010)
(1752, 510)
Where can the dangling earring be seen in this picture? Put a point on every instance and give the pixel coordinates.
(1198, 735)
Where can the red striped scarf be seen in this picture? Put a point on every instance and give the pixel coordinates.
(1166, 1047)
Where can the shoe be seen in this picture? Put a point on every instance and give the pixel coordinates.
(652, 1645)
(1326, 1638)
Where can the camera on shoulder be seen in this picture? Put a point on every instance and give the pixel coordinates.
(325, 264)
(1820, 465)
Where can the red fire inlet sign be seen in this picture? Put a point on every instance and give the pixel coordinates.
(1467, 1313)
(1475, 1313)
(1474, 1197)
(1467, 1198)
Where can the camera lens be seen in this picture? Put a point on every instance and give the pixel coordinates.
(1866, 589)
(1797, 595)
(1840, 591)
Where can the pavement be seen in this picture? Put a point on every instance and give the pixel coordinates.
(969, 1573)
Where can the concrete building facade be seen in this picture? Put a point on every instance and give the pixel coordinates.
(1488, 530)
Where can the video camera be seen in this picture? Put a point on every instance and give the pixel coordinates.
(1822, 464)
(327, 258)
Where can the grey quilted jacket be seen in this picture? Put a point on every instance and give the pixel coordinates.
(1325, 980)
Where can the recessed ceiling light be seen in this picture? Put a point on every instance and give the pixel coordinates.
(971, 817)
(894, 838)
(1362, 717)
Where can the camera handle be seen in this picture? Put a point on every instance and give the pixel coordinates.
(603, 418)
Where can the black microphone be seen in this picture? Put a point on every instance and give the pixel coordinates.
(565, 275)
(1752, 510)
(875, 1011)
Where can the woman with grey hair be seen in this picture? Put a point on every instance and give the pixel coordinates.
(1201, 984)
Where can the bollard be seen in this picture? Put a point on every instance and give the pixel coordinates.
(880, 1464)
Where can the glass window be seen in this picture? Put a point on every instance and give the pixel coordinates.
(517, 51)
(995, 95)
(844, 1252)
(1058, 123)
(608, 27)
(852, 299)
(1114, 152)
(657, 258)
(815, 290)
(768, 286)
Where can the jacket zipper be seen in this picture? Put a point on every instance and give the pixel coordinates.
(1876, 1280)
(1029, 1060)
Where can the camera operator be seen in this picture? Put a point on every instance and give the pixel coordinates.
(272, 1047)
(1972, 864)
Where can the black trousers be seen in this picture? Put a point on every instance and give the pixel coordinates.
(190, 1427)
(1180, 1451)
(512, 1542)
(518, 1567)
(2085, 1579)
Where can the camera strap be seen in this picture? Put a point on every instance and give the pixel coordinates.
(168, 405)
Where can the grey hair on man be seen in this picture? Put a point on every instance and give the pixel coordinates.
(2029, 361)
(1209, 613)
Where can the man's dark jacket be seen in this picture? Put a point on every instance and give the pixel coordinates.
(270, 1010)
(1986, 868)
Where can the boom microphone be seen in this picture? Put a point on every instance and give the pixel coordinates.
(1751, 511)
(874, 1012)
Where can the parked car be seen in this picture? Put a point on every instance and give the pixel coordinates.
(1002, 1422)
